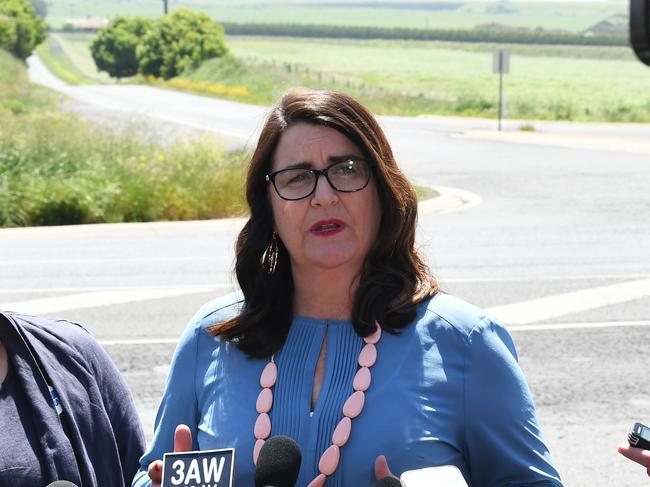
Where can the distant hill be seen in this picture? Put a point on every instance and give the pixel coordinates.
(407, 5)
(613, 25)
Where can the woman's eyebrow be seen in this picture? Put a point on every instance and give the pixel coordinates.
(343, 158)
(298, 165)
(331, 159)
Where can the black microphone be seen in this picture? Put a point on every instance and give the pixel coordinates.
(388, 482)
(61, 483)
(278, 463)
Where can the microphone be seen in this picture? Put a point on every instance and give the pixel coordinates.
(447, 475)
(61, 483)
(388, 482)
(278, 463)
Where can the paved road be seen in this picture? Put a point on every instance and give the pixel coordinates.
(559, 249)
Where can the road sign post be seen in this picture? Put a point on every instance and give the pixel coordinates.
(501, 66)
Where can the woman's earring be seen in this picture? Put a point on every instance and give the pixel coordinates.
(271, 255)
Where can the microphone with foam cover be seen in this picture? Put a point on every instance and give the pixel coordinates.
(61, 483)
(278, 463)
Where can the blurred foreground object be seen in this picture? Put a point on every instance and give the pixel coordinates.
(640, 29)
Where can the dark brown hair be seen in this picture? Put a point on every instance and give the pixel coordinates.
(394, 278)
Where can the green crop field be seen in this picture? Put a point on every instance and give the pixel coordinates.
(411, 78)
(559, 82)
(571, 15)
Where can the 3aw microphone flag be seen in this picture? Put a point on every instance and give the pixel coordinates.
(208, 468)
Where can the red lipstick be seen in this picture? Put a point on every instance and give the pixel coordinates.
(326, 228)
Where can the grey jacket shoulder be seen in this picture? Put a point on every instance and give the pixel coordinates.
(65, 336)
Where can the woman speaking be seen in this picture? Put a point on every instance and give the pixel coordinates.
(340, 338)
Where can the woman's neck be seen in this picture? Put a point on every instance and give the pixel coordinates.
(324, 293)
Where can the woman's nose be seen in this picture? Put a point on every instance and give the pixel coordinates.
(324, 194)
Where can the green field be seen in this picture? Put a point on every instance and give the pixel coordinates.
(77, 48)
(68, 58)
(571, 15)
(586, 83)
(412, 78)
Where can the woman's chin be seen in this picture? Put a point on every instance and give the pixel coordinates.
(333, 261)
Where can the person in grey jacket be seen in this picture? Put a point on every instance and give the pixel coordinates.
(65, 411)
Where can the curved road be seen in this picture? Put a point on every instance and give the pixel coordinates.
(559, 249)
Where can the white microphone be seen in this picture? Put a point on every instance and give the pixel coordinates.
(444, 475)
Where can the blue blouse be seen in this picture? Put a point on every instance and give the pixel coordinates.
(446, 390)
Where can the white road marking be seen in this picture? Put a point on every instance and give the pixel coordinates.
(522, 328)
(140, 341)
(578, 325)
(109, 261)
(98, 230)
(523, 313)
(548, 307)
(547, 277)
(199, 288)
(95, 299)
(442, 280)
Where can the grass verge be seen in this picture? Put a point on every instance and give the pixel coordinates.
(59, 63)
(425, 192)
(57, 169)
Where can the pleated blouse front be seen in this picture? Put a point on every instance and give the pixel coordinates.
(296, 363)
(446, 390)
(229, 398)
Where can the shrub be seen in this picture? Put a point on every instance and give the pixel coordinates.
(27, 32)
(115, 45)
(178, 42)
(7, 32)
(56, 169)
(562, 110)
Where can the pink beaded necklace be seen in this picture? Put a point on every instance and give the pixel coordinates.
(329, 460)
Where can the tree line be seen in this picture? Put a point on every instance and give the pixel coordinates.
(165, 47)
(536, 36)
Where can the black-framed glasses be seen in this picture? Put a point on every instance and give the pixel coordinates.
(348, 176)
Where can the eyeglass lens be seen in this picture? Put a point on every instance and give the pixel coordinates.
(347, 176)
